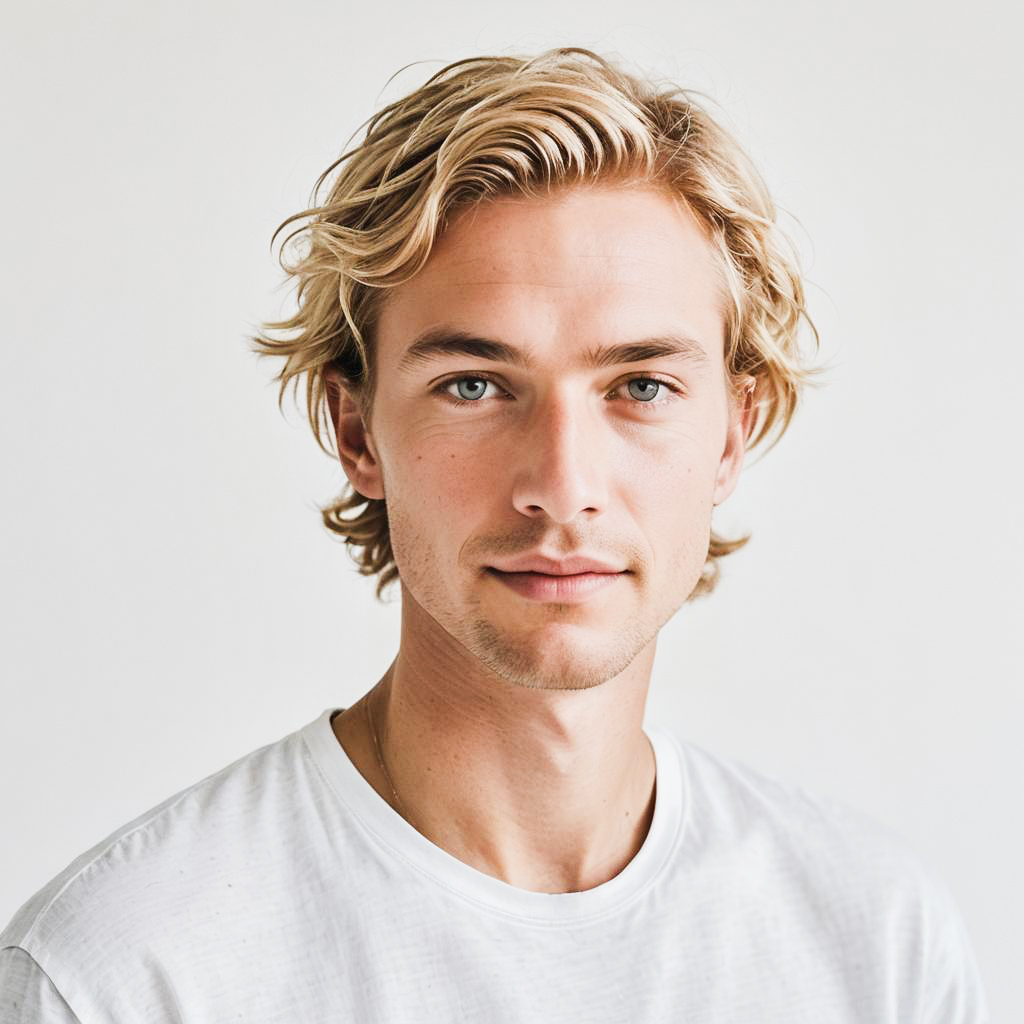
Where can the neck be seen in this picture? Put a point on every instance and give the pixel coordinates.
(549, 790)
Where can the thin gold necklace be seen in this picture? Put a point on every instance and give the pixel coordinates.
(380, 761)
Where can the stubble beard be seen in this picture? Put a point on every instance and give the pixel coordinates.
(521, 667)
(530, 663)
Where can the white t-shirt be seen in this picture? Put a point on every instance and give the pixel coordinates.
(283, 888)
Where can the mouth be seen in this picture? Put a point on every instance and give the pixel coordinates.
(566, 588)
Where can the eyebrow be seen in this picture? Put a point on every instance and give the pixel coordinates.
(439, 342)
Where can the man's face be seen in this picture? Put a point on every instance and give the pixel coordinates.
(547, 443)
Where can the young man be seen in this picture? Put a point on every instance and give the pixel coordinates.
(547, 310)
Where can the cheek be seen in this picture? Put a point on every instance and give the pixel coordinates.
(669, 471)
(439, 484)
(674, 503)
(669, 495)
(438, 495)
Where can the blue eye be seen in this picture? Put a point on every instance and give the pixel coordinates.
(470, 388)
(644, 389)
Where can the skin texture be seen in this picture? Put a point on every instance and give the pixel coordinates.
(511, 727)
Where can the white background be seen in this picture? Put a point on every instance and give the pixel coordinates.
(169, 599)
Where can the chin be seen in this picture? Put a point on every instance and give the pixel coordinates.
(544, 661)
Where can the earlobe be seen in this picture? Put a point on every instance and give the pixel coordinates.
(356, 448)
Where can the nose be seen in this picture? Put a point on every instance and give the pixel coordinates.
(559, 465)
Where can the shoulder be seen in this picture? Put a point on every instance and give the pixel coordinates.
(840, 857)
(826, 876)
(738, 798)
(150, 869)
(27, 995)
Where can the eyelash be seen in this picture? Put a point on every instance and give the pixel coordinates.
(441, 388)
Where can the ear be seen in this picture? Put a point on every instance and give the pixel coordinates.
(356, 448)
(741, 422)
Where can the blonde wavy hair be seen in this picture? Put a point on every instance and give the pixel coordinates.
(486, 127)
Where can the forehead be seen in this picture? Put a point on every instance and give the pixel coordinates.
(589, 264)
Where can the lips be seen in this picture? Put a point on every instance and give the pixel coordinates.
(561, 588)
(572, 565)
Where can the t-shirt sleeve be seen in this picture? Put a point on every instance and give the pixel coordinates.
(954, 993)
(27, 996)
